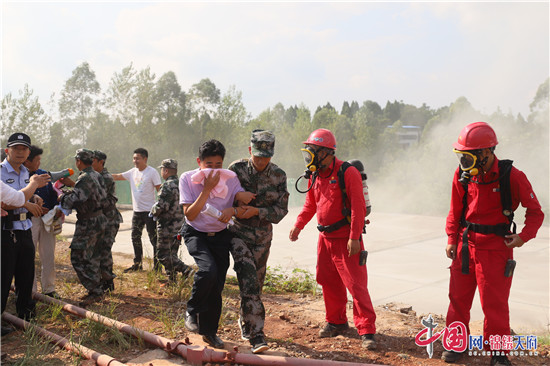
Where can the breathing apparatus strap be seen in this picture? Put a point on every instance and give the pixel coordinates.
(504, 167)
(346, 211)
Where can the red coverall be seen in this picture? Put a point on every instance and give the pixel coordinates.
(488, 252)
(336, 271)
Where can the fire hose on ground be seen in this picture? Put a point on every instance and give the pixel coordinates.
(90, 354)
(195, 355)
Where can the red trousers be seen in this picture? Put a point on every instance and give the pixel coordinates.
(487, 274)
(336, 272)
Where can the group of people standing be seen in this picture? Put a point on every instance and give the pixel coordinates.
(219, 212)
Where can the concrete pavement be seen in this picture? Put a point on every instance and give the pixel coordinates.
(406, 264)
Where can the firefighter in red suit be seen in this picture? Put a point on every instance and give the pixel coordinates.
(480, 242)
(338, 251)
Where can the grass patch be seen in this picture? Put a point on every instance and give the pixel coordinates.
(36, 348)
(544, 340)
(298, 281)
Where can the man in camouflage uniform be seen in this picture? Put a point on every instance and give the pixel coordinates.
(114, 218)
(87, 198)
(168, 214)
(253, 230)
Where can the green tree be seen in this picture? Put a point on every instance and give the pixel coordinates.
(58, 152)
(325, 117)
(120, 98)
(24, 114)
(290, 115)
(78, 102)
(229, 124)
(542, 98)
(204, 98)
(392, 111)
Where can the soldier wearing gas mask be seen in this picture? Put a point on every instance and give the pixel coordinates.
(481, 232)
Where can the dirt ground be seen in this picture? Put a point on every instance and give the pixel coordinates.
(292, 325)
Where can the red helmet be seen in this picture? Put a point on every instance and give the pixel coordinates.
(477, 135)
(322, 137)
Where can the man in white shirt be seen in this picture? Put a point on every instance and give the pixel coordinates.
(144, 180)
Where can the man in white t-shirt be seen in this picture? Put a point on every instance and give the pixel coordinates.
(144, 180)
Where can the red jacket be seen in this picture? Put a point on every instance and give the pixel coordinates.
(484, 207)
(325, 200)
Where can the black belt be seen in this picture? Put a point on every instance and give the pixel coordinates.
(195, 231)
(333, 227)
(21, 217)
(81, 216)
(498, 229)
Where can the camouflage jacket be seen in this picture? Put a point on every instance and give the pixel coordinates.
(167, 208)
(110, 211)
(89, 194)
(271, 193)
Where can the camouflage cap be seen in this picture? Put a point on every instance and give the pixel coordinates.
(84, 155)
(169, 163)
(99, 155)
(262, 143)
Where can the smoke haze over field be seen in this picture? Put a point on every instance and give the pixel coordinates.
(420, 181)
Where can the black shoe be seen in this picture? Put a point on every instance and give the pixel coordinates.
(451, 356)
(54, 295)
(332, 330)
(187, 272)
(6, 330)
(213, 340)
(500, 361)
(135, 267)
(191, 323)
(29, 313)
(172, 277)
(259, 344)
(89, 299)
(157, 267)
(368, 341)
(108, 286)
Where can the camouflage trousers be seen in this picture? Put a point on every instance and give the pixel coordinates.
(250, 257)
(168, 247)
(105, 252)
(85, 252)
(139, 221)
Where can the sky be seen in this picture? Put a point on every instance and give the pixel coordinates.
(496, 54)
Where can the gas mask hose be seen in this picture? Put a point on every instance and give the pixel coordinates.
(307, 175)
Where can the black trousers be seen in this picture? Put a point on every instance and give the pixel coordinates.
(18, 261)
(211, 254)
(140, 220)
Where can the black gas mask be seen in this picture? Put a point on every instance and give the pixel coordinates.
(470, 162)
(313, 159)
(314, 163)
